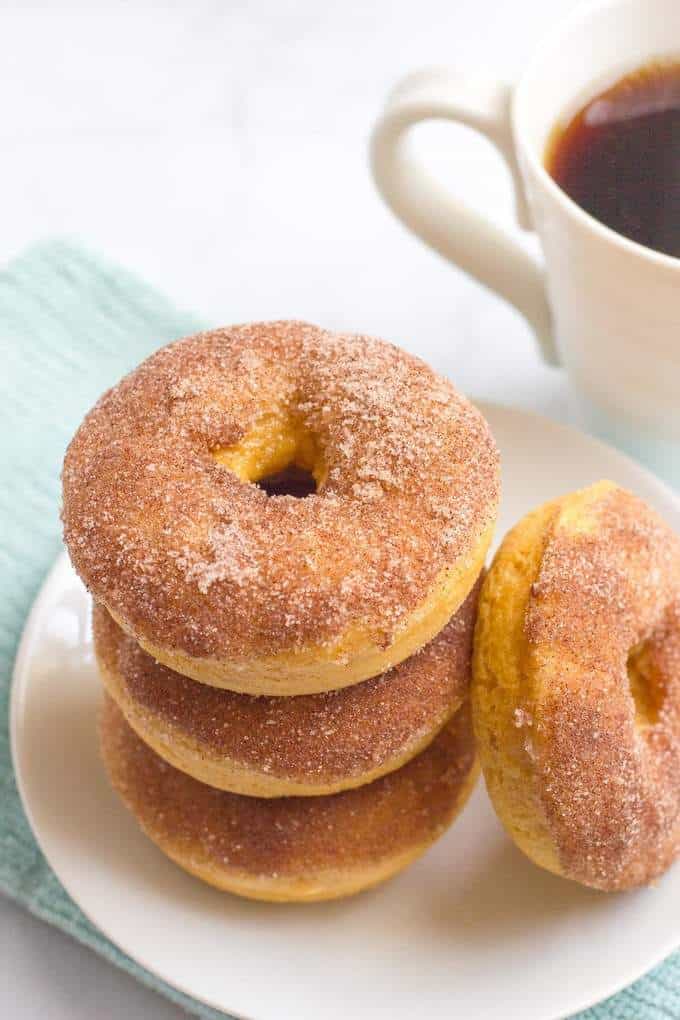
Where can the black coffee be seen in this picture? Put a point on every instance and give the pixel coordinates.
(619, 157)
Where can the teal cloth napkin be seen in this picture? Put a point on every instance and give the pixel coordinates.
(71, 325)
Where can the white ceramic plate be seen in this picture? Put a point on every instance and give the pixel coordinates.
(473, 930)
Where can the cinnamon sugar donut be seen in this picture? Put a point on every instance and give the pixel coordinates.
(293, 848)
(274, 594)
(309, 745)
(576, 689)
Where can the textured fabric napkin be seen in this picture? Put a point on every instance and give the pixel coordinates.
(71, 325)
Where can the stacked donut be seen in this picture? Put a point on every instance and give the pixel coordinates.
(283, 530)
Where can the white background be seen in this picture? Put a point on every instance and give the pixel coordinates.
(219, 150)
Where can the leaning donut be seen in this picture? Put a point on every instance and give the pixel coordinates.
(274, 594)
(576, 689)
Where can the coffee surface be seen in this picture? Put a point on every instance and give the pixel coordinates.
(619, 157)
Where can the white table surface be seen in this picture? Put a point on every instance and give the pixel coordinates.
(219, 150)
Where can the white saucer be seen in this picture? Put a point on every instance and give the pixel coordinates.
(472, 930)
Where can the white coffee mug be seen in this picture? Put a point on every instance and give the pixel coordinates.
(604, 307)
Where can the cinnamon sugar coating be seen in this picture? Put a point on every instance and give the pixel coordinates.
(608, 781)
(316, 739)
(191, 558)
(290, 836)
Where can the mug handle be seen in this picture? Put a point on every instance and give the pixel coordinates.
(457, 232)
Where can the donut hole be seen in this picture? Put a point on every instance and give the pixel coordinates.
(292, 481)
(279, 455)
(645, 685)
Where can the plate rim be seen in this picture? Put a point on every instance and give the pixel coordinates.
(62, 564)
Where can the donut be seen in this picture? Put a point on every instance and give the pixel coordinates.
(292, 848)
(576, 688)
(280, 594)
(308, 745)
